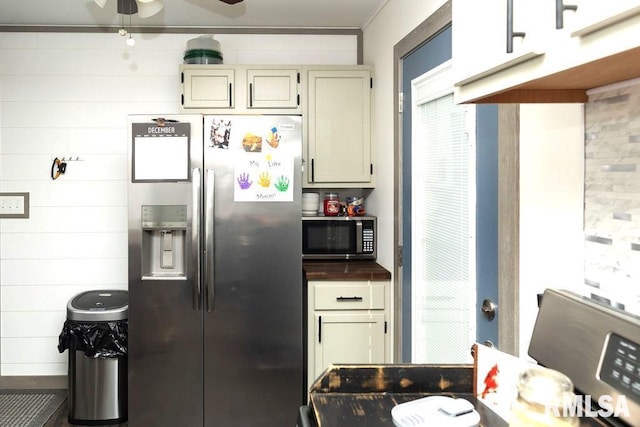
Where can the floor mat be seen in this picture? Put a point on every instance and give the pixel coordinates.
(28, 408)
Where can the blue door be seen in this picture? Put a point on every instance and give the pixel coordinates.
(429, 56)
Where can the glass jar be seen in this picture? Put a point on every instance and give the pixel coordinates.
(331, 204)
(545, 399)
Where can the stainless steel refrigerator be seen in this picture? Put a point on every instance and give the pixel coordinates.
(215, 273)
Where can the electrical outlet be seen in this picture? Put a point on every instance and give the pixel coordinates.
(14, 205)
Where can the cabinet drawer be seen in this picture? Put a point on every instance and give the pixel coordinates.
(358, 296)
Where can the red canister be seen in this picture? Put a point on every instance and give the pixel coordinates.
(331, 204)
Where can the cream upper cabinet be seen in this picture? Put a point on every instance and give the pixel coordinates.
(205, 87)
(273, 88)
(338, 151)
(237, 89)
(569, 46)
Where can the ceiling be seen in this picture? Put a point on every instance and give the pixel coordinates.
(351, 14)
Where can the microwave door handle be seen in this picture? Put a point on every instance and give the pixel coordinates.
(196, 241)
(209, 240)
(359, 236)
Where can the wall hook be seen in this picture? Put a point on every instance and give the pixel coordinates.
(58, 167)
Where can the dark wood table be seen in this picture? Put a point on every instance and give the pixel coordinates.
(363, 395)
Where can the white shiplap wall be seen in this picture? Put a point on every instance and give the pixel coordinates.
(67, 94)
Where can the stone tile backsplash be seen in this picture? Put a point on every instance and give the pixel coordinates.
(612, 196)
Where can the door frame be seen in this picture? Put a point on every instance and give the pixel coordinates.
(508, 183)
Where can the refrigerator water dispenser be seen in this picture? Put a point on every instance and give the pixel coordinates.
(164, 230)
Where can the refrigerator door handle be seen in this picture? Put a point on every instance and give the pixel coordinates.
(196, 245)
(209, 239)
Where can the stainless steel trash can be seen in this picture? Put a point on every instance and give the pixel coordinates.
(97, 392)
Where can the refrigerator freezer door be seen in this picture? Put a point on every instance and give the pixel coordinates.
(165, 323)
(253, 334)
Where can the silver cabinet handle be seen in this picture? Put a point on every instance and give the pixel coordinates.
(510, 33)
(209, 240)
(560, 8)
(196, 240)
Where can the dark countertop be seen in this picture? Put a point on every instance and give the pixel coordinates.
(344, 270)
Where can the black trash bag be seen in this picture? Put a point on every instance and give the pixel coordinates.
(95, 339)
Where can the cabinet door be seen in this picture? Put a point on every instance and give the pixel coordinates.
(481, 42)
(208, 88)
(339, 126)
(348, 337)
(594, 15)
(273, 88)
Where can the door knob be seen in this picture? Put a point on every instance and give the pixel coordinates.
(489, 309)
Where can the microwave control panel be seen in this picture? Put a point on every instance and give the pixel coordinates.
(367, 238)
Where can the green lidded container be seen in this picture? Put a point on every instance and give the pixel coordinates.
(203, 50)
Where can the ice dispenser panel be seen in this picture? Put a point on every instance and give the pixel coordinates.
(164, 229)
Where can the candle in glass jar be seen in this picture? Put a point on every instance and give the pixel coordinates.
(545, 398)
(331, 204)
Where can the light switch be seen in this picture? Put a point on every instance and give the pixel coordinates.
(14, 205)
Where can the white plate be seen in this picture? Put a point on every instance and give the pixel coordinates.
(435, 411)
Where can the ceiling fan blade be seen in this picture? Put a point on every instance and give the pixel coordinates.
(149, 8)
(231, 1)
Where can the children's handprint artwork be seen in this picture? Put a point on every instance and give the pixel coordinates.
(282, 184)
(273, 138)
(265, 174)
(244, 182)
(264, 180)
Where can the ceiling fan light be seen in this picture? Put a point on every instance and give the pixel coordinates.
(101, 3)
(146, 1)
(146, 10)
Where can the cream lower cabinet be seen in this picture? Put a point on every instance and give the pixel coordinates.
(348, 322)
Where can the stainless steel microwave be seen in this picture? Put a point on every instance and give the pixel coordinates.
(339, 237)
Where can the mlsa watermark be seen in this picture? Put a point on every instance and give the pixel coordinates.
(583, 406)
